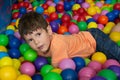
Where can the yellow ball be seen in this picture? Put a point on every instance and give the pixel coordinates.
(57, 70)
(75, 6)
(51, 9)
(6, 61)
(11, 27)
(91, 11)
(8, 73)
(92, 25)
(110, 24)
(16, 63)
(107, 29)
(17, 22)
(24, 77)
(3, 49)
(89, 1)
(99, 56)
(87, 17)
(21, 59)
(115, 36)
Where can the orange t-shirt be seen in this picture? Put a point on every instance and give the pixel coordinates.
(67, 46)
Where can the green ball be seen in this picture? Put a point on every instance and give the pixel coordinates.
(108, 74)
(75, 21)
(52, 76)
(118, 43)
(30, 55)
(82, 25)
(4, 40)
(35, 3)
(87, 61)
(24, 47)
(45, 69)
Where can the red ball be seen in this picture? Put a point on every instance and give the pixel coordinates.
(59, 7)
(21, 4)
(65, 18)
(53, 16)
(15, 15)
(81, 18)
(81, 10)
(15, 6)
(117, 20)
(102, 19)
(45, 6)
(62, 29)
(117, 6)
(75, 12)
(64, 24)
(26, 4)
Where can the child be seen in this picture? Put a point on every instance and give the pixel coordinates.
(38, 34)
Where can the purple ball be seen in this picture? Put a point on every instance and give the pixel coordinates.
(97, 78)
(39, 62)
(116, 69)
(79, 1)
(54, 26)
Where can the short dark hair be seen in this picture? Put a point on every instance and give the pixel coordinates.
(30, 22)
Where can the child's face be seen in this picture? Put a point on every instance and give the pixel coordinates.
(39, 40)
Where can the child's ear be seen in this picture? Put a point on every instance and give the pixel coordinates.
(49, 30)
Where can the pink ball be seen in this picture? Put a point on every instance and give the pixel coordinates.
(67, 63)
(99, 4)
(16, 34)
(27, 68)
(61, 2)
(84, 78)
(104, 12)
(87, 72)
(110, 62)
(95, 17)
(53, 4)
(85, 5)
(95, 65)
(75, 17)
(73, 29)
(49, 2)
(100, 26)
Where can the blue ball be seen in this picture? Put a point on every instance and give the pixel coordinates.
(111, 16)
(14, 53)
(37, 77)
(69, 74)
(3, 54)
(14, 42)
(79, 62)
(67, 6)
(90, 20)
(39, 10)
(54, 26)
(22, 10)
(116, 13)
(97, 78)
(67, 33)
(9, 32)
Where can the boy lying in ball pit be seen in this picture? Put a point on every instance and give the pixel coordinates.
(38, 34)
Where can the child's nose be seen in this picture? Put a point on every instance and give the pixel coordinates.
(36, 41)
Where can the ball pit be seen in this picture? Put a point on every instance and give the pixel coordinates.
(66, 17)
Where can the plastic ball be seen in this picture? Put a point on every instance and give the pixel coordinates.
(67, 6)
(35, 3)
(23, 48)
(116, 6)
(73, 29)
(62, 29)
(51, 9)
(87, 61)
(91, 11)
(14, 53)
(81, 18)
(27, 68)
(16, 63)
(98, 78)
(116, 13)
(30, 55)
(99, 4)
(15, 15)
(92, 25)
(39, 62)
(111, 16)
(118, 43)
(39, 10)
(65, 18)
(52, 76)
(85, 5)
(67, 63)
(8, 73)
(4, 40)
(37, 77)
(87, 72)
(82, 26)
(3, 54)
(95, 65)
(11, 27)
(9, 32)
(76, 6)
(54, 26)
(110, 62)
(6, 61)
(99, 56)
(24, 77)
(46, 69)
(104, 12)
(102, 19)
(100, 26)
(59, 7)
(22, 10)
(108, 74)
(3, 49)
(53, 16)
(56, 70)
(115, 36)
(79, 62)
(69, 74)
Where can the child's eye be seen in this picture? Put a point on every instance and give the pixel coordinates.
(38, 34)
(30, 40)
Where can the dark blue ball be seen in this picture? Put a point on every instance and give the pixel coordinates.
(98, 78)
(3, 54)
(54, 26)
(69, 74)
(14, 53)
(111, 16)
(90, 20)
(116, 13)
(22, 10)
(67, 6)
(37, 77)
(79, 62)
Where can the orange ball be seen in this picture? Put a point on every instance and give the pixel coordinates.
(102, 19)
(62, 29)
